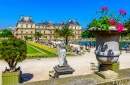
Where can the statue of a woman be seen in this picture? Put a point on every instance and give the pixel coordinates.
(62, 54)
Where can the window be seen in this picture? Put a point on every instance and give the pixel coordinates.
(75, 27)
(58, 27)
(31, 26)
(38, 26)
(78, 32)
(21, 26)
(26, 26)
(26, 31)
(35, 31)
(40, 31)
(31, 31)
(21, 31)
(51, 32)
(43, 26)
(75, 32)
(44, 32)
(78, 27)
(21, 37)
(71, 27)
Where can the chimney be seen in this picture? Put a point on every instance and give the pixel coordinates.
(75, 19)
(61, 22)
(21, 16)
(30, 17)
(55, 23)
(9, 26)
(41, 21)
(69, 20)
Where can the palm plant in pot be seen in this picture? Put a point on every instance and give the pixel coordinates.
(107, 31)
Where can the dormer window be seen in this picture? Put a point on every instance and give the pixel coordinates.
(21, 26)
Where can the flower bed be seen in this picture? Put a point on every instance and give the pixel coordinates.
(33, 55)
(49, 49)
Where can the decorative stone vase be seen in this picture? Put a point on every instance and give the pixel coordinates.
(107, 46)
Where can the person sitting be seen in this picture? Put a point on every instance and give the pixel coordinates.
(86, 48)
(75, 49)
(100, 67)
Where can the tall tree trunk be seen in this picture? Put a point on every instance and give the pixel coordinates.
(66, 40)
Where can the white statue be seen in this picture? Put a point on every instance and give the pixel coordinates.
(62, 54)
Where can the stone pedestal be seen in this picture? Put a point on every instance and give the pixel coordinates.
(107, 67)
(108, 74)
(63, 71)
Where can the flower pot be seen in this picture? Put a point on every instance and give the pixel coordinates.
(107, 46)
(10, 78)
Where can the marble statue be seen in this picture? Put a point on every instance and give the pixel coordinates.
(62, 53)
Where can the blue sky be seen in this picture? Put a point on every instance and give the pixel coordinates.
(57, 10)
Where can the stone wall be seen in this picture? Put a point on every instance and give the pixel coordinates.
(90, 79)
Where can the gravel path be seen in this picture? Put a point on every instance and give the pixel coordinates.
(36, 70)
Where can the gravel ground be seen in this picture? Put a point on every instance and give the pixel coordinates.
(36, 70)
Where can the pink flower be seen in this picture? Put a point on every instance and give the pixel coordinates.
(125, 12)
(119, 27)
(121, 11)
(112, 22)
(104, 8)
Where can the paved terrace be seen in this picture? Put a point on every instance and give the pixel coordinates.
(37, 70)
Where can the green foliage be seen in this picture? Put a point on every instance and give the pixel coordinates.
(26, 37)
(37, 35)
(104, 20)
(6, 33)
(126, 24)
(65, 32)
(13, 50)
(120, 46)
(86, 33)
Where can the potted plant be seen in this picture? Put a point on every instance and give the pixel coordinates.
(107, 31)
(12, 50)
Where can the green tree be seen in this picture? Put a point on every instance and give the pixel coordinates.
(37, 35)
(13, 50)
(65, 32)
(6, 33)
(26, 37)
(126, 24)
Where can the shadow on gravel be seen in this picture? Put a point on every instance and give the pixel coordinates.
(26, 77)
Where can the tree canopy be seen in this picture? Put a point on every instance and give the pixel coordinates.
(6, 33)
(13, 50)
(37, 35)
(65, 32)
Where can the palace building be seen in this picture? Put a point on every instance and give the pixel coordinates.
(27, 27)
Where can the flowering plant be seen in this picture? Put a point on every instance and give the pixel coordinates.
(105, 21)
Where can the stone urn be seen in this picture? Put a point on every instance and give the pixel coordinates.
(107, 46)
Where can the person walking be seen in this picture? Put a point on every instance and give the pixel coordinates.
(127, 48)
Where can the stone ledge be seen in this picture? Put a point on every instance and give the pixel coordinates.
(92, 79)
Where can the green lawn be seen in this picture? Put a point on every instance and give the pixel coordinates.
(31, 50)
(48, 53)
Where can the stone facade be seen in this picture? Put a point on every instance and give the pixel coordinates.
(27, 27)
